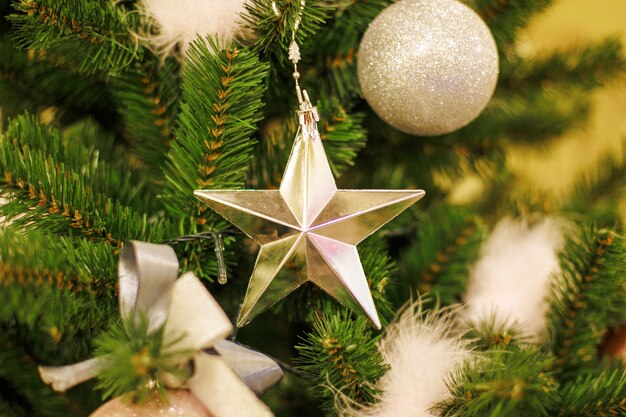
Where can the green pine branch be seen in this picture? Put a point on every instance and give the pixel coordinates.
(273, 31)
(341, 132)
(438, 260)
(340, 356)
(59, 264)
(587, 66)
(536, 116)
(222, 94)
(147, 99)
(505, 18)
(530, 117)
(274, 28)
(594, 395)
(512, 383)
(597, 196)
(31, 81)
(55, 294)
(137, 360)
(422, 162)
(113, 169)
(82, 147)
(69, 288)
(493, 334)
(332, 65)
(96, 34)
(56, 185)
(23, 394)
(588, 297)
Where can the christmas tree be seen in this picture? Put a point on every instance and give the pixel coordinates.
(114, 113)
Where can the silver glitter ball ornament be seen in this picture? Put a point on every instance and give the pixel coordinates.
(428, 67)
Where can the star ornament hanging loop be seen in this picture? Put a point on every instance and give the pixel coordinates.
(308, 229)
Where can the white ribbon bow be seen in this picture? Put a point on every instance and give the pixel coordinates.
(148, 285)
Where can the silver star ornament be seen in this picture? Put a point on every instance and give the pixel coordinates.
(308, 229)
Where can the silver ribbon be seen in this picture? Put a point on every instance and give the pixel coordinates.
(194, 321)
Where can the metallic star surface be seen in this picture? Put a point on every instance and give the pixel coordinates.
(308, 229)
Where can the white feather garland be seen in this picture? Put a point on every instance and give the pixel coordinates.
(180, 22)
(422, 352)
(509, 283)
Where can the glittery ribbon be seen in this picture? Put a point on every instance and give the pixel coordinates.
(148, 286)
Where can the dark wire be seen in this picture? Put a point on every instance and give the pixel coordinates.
(222, 276)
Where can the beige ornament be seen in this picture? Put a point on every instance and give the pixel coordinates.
(179, 403)
(428, 67)
(192, 322)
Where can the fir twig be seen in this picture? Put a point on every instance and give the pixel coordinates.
(222, 91)
(340, 354)
(597, 195)
(31, 80)
(65, 197)
(439, 258)
(332, 67)
(594, 395)
(148, 101)
(587, 66)
(38, 260)
(506, 17)
(23, 394)
(529, 117)
(493, 334)
(587, 298)
(137, 360)
(342, 134)
(274, 27)
(512, 383)
(69, 289)
(98, 31)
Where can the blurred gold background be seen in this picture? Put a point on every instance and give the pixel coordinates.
(567, 23)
